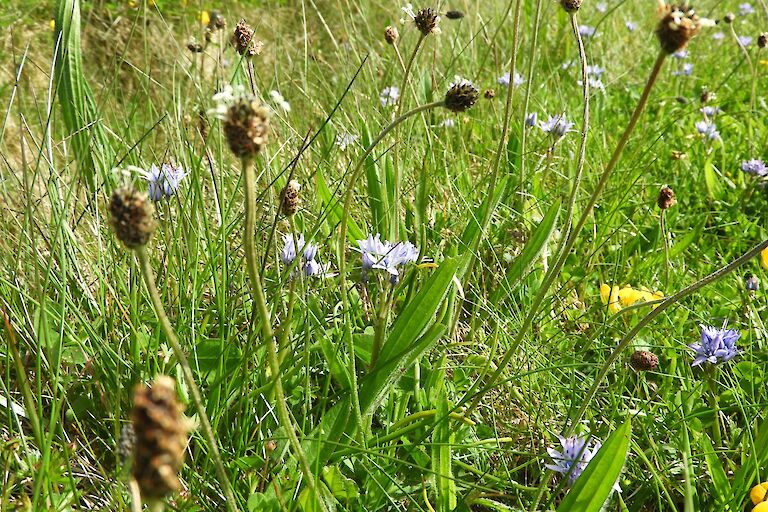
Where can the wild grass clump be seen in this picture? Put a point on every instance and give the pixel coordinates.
(500, 255)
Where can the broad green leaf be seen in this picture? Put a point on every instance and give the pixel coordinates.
(712, 180)
(594, 485)
(442, 440)
(341, 487)
(530, 252)
(716, 471)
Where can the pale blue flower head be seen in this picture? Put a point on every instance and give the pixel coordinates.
(557, 126)
(504, 80)
(717, 36)
(745, 40)
(710, 111)
(708, 129)
(681, 54)
(389, 96)
(386, 256)
(531, 119)
(311, 267)
(631, 26)
(602, 7)
(716, 345)
(344, 140)
(686, 70)
(163, 181)
(754, 166)
(586, 31)
(746, 8)
(290, 249)
(574, 457)
(595, 71)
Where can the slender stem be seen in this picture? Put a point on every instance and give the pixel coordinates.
(663, 228)
(382, 319)
(266, 328)
(549, 278)
(711, 375)
(285, 330)
(133, 489)
(394, 228)
(663, 306)
(165, 325)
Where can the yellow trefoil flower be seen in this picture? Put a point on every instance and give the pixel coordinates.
(205, 17)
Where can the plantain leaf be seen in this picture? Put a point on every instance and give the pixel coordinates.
(594, 485)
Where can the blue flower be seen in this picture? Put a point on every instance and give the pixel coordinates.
(595, 71)
(557, 126)
(685, 71)
(309, 252)
(517, 81)
(708, 129)
(717, 36)
(754, 166)
(745, 41)
(163, 181)
(631, 26)
(586, 31)
(386, 256)
(715, 345)
(389, 96)
(681, 54)
(531, 119)
(573, 460)
(709, 111)
(602, 7)
(745, 9)
(344, 140)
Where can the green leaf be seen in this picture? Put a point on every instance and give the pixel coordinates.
(336, 210)
(594, 485)
(472, 231)
(377, 186)
(683, 243)
(442, 440)
(530, 252)
(258, 502)
(341, 487)
(757, 449)
(712, 180)
(716, 471)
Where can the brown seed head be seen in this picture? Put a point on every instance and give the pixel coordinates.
(729, 18)
(244, 42)
(132, 216)
(644, 361)
(246, 127)
(217, 21)
(426, 21)
(666, 198)
(461, 96)
(454, 15)
(289, 198)
(571, 5)
(391, 34)
(678, 25)
(489, 94)
(762, 40)
(161, 438)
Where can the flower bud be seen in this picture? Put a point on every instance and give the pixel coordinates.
(489, 94)
(454, 15)
(762, 40)
(571, 5)
(244, 42)
(678, 25)
(391, 34)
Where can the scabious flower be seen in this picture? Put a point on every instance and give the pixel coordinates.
(344, 140)
(754, 166)
(586, 31)
(531, 119)
(686, 70)
(708, 129)
(163, 181)
(745, 41)
(516, 82)
(710, 111)
(746, 8)
(311, 267)
(576, 454)
(557, 126)
(681, 54)
(386, 256)
(389, 96)
(631, 26)
(716, 345)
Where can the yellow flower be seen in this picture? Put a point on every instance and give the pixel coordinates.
(764, 258)
(52, 24)
(610, 295)
(132, 4)
(205, 17)
(757, 494)
(629, 296)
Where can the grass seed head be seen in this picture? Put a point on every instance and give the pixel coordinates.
(391, 34)
(666, 198)
(644, 361)
(426, 20)
(571, 5)
(132, 216)
(461, 96)
(289, 198)
(161, 438)
(244, 42)
(678, 25)
(246, 126)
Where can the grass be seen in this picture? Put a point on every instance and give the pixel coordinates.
(482, 358)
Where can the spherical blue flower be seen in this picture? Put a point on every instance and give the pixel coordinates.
(573, 460)
(163, 181)
(386, 255)
(745, 41)
(745, 9)
(754, 166)
(389, 96)
(311, 266)
(557, 126)
(708, 129)
(686, 70)
(586, 31)
(709, 111)
(716, 345)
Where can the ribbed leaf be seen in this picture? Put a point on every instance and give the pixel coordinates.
(594, 485)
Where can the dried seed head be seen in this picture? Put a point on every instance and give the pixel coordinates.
(193, 46)
(126, 443)
(571, 5)
(289, 198)
(489, 94)
(426, 21)
(678, 25)
(161, 438)
(454, 15)
(217, 21)
(244, 42)
(391, 34)
(461, 96)
(729, 18)
(246, 126)
(762, 40)
(666, 198)
(132, 216)
(644, 361)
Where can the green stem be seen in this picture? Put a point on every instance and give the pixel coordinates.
(285, 331)
(381, 326)
(711, 375)
(266, 328)
(663, 306)
(205, 424)
(663, 228)
(549, 278)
